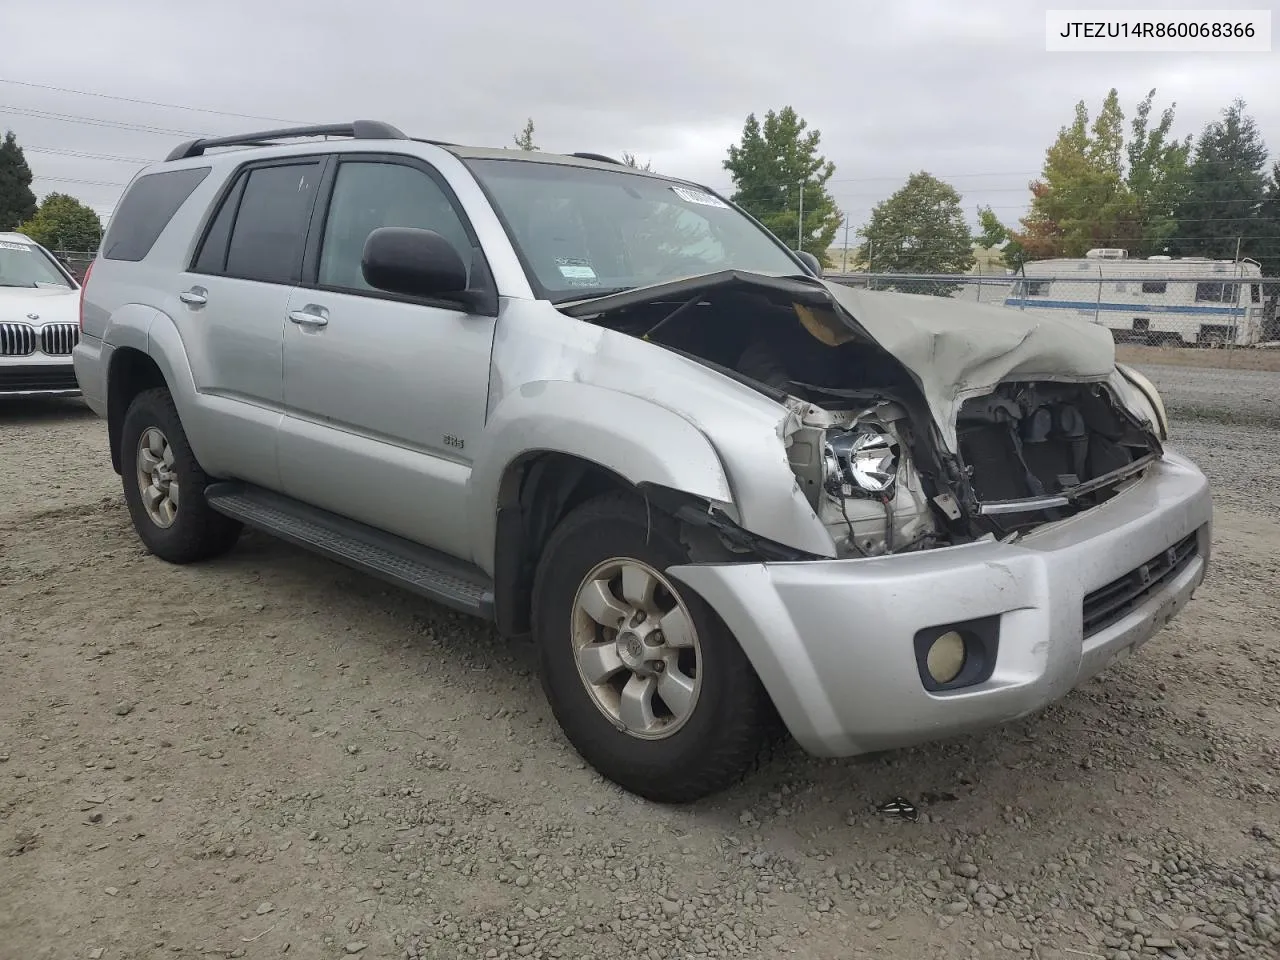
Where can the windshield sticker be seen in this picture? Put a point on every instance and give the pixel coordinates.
(9, 245)
(697, 196)
(577, 272)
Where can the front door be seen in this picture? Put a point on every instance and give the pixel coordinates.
(384, 397)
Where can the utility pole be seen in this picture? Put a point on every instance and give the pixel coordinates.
(800, 229)
(845, 269)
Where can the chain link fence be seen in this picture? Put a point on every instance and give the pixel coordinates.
(1158, 309)
(77, 261)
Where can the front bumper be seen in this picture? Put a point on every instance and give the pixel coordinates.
(832, 641)
(45, 378)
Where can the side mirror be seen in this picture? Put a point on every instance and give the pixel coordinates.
(413, 262)
(810, 261)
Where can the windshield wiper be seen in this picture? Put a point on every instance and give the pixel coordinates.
(24, 286)
(595, 293)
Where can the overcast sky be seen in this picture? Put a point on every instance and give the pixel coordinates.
(961, 88)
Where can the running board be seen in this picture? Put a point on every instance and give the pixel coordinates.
(416, 568)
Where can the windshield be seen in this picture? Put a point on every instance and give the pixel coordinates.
(26, 265)
(583, 232)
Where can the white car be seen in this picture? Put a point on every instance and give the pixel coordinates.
(39, 321)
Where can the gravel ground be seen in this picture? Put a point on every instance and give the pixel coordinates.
(270, 754)
(1217, 394)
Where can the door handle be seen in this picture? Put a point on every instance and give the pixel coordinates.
(310, 316)
(195, 296)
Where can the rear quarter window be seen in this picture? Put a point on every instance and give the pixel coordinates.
(146, 209)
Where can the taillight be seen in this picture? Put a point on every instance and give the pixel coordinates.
(84, 285)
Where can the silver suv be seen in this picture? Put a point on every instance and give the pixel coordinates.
(607, 408)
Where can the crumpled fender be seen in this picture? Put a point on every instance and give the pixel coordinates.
(638, 440)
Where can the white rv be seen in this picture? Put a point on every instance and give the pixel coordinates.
(1190, 300)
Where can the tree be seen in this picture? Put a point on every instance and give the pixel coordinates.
(1268, 253)
(17, 202)
(630, 160)
(777, 170)
(524, 139)
(995, 235)
(63, 223)
(1228, 182)
(1081, 199)
(1157, 177)
(920, 229)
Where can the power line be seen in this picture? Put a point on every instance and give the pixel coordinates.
(93, 183)
(96, 122)
(251, 116)
(149, 103)
(80, 155)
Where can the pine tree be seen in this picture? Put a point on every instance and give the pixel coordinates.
(779, 176)
(17, 202)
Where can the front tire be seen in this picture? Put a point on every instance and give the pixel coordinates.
(646, 681)
(164, 485)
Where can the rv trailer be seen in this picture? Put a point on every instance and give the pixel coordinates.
(1188, 301)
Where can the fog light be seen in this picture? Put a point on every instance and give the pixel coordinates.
(946, 657)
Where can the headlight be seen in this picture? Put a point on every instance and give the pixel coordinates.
(1148, 397)
(859, 461)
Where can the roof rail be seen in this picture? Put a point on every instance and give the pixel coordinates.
(596, 156)
(359, 130)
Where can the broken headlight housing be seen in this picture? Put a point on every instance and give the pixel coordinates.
(1140, 393)
(860, 461)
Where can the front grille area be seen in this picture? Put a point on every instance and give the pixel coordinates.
(31, 377)
(17, 339)
(59, 339)
(1111, 603)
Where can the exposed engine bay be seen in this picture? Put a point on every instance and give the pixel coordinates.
(860, 439)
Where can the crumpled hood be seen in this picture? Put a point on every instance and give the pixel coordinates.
(956, 349)
(953, 349)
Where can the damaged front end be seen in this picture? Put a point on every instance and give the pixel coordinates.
(1034, 452)
(858, 472)
(909, 423)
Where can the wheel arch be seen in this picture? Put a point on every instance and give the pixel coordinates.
(148, 352)
(129, 373)
(540, 488)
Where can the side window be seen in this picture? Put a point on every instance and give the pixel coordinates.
(270, 229)
(213, 253)
(146, 209)
(368, 195)
(1217, 292)
(1154, 286)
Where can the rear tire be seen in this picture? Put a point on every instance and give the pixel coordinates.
(671, 646)
(164, 485)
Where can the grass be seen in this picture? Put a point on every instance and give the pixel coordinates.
(1228, 358)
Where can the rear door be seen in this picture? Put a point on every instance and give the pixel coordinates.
(385, 395)
(232, 305)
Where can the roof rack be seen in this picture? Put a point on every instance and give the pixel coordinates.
(359, 130)
(596, 156)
